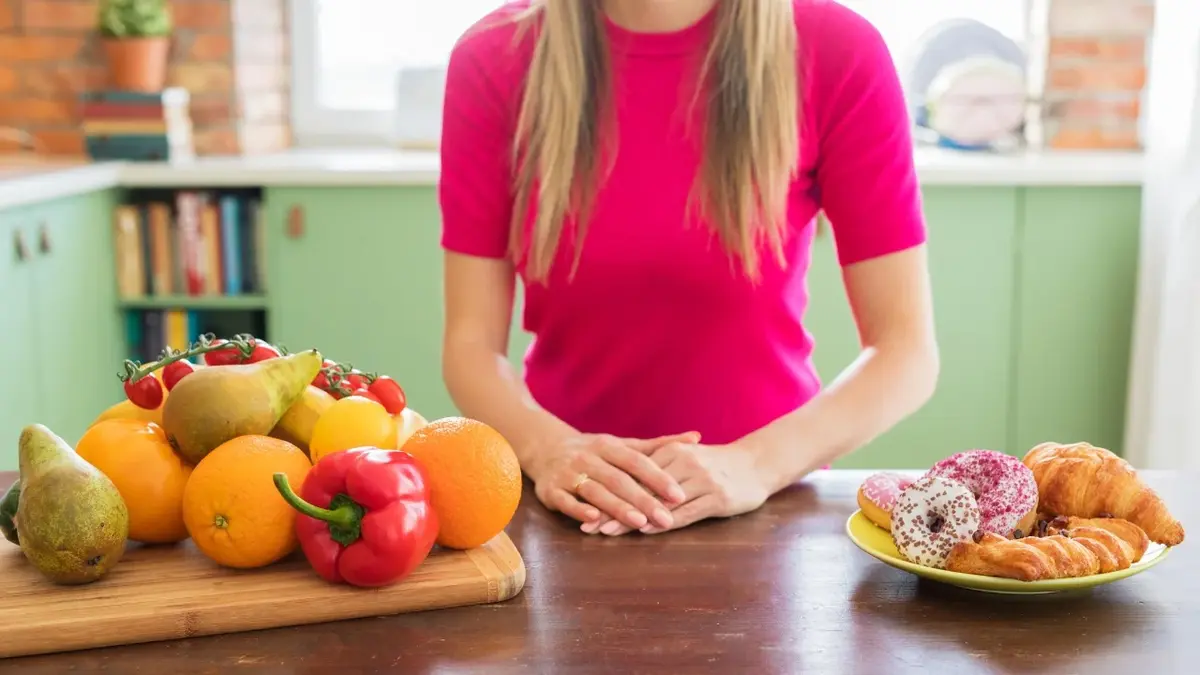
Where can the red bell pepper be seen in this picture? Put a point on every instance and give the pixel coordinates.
(365, 516)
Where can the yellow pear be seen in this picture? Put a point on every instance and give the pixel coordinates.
(215, 405)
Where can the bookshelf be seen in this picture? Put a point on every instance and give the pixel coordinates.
(189, 261)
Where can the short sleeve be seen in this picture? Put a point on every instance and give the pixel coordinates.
(865, 170)
(474, 186)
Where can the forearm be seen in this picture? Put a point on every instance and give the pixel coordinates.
(485, 386)
(883, 386)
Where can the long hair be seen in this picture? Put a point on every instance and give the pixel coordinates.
(748, 84)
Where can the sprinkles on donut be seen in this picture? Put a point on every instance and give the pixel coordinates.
(1003, 486)
(930, 517)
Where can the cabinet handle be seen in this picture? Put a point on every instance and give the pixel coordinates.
(20, 249)
(295, 223)
(44, 239)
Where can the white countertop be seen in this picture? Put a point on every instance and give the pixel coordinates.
(22, 182)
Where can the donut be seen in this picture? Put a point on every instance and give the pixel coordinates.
(1003, 486)
(877, 495)
(931, 516)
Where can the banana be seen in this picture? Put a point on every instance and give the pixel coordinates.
(296, 425)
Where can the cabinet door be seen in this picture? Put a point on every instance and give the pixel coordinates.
(1076, 290)
(18, 344)
(361, 280)
(972, 253)
(78, 326)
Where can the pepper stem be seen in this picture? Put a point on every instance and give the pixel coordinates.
(344, 518)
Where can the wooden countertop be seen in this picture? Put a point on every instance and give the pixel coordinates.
(781, 590)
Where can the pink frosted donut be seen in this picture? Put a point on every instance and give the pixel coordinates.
(931, 516)
(877, 496)
(1004, 488)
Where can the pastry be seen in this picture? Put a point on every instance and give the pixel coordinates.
(877, 496)
(930, 517)
(1003, 487)
(1082, 480)
(1025, 559)
(1132, 535)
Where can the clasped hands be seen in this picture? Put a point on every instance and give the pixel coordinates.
(616, 485)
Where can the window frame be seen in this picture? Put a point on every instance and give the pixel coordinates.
(314, 125)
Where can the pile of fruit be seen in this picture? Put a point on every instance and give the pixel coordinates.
(251, 452)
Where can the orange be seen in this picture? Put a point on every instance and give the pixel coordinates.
(231, 506)
(407, 422)
(474, 476)
(150, 476)
(352, 422)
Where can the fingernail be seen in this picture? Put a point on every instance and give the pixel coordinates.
(675, 494)
(611, 527)
(636, 518)
(589, 528)
(650, 529)
(662, 517)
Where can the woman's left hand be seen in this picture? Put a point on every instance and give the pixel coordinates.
(718, 481)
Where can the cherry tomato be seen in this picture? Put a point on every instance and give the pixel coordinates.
(366, 394)
(321, 381)
(355, 379)
(228, 356)
(174, 372)
(145, 393)
(262, 352)
(388, 392)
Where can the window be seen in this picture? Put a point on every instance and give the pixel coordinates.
(348, 53)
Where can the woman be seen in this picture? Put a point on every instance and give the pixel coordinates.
(651, 170)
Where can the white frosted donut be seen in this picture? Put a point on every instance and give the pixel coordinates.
(931, 516)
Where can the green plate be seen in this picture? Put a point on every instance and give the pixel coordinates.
(877, 543)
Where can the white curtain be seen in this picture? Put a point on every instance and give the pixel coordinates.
(1163, 429)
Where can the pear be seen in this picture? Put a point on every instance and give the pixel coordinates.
(73, 522)
(214, 405)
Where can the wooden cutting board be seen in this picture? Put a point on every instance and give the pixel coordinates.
(168, 593)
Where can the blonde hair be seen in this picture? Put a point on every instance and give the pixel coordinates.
(751, 139)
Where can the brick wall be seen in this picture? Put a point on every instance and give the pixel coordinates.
(232, 55)
(1095, 72)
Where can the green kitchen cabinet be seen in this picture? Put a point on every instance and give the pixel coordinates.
(357, 273)
(1078, 253)
(60, 317)
(972, 249)
(18, 342)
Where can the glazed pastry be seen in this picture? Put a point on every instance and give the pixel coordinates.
(877, 496)
(1025, 559)
(1003, 487)
(930, 517)
(1128, 533)
(1082, 480)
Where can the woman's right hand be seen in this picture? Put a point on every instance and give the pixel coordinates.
(585, 476)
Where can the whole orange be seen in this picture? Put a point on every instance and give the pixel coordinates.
(474, 478)
(352, 422)
(150, 476)
(231, 506)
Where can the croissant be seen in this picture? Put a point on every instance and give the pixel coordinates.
(1082, 480)
(1028, 559)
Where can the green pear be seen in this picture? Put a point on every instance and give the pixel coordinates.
(213, 405)
(73, 522)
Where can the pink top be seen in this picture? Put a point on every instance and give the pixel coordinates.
(658, 334)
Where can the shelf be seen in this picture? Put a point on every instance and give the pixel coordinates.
(195, 302)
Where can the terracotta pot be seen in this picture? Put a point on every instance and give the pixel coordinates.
(137, 64)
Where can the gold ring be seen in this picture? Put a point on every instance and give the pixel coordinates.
(579, 480)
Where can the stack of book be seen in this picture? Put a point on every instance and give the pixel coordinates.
(134, 126)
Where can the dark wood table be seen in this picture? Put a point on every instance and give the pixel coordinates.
(782, 590)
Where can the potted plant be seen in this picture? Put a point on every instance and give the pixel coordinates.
(136, 38)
